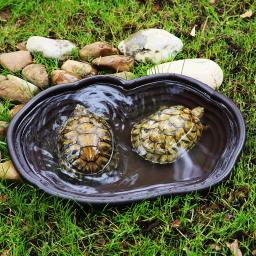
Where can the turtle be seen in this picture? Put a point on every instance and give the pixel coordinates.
(85, 144)
(164, 136)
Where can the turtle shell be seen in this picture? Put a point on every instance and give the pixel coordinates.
(166, 135)
(85, 143)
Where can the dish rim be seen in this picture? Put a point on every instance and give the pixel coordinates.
(149, 192)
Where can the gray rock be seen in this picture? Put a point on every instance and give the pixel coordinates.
(79, 68)
(97, 49)
(204, 70)
(115, 62)
(151, 45)
(125, 75)
(17, 89)
(50, 48)
(15, 61)
(64, 77)
(36, 74)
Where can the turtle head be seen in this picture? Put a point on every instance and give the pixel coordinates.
(198, 112)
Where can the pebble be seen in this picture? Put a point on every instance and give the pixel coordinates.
(50, 48)
(115, 62)
(15, 110)
(15, 61)
(204, 70)
(8, 172)
(17, 89)
(64, 77)
(125, 75)
(97, 49)
(3, 128)
(151, 45)
(36, 74)
(21, 46)
(79, 68)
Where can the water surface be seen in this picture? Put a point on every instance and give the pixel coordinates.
(122, 109)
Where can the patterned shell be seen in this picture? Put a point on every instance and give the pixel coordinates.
(85, 143)
(164, 136)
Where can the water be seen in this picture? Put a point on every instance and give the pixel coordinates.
(122, 109)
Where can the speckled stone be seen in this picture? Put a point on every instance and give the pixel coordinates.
(36, 74)
(97, 49)
(63, 77)
(79, 68)
(115, 62)
(17, 89)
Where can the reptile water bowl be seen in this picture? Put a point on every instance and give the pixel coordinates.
(33, 144)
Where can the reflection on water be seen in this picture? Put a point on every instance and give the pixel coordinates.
(122, 110)
(186, 163)
(192, 168)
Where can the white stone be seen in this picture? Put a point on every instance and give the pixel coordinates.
(50, 48)
(151, 45)
(204, 70)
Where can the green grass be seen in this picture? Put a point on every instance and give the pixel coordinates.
(33, 223)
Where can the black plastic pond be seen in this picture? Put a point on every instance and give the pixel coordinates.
(32, 138)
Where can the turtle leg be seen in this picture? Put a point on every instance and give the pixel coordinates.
(114, 162)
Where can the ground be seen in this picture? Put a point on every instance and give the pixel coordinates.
(202, 223)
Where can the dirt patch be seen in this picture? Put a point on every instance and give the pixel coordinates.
(5, 14)
(129, 27)
(233, 48)
(148, 226)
